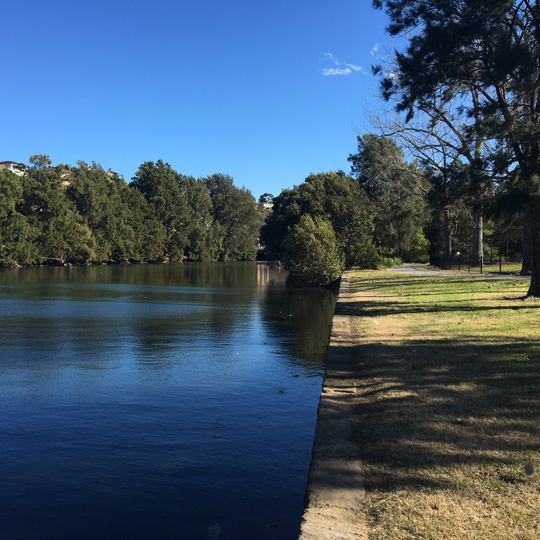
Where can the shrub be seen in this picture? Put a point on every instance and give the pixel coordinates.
(312, 254)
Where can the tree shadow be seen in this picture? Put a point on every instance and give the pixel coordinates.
(435, 404)
(380, 307)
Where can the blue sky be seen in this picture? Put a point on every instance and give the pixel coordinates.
(266, 91)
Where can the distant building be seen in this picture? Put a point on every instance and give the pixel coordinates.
(64, 173)
(12, 166)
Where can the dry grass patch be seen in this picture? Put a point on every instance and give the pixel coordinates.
(450, 408)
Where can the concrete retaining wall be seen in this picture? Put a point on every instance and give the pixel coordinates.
(335, 492)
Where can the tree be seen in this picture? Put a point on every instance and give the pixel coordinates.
(336, 198)
(492, 47)
(60, 231)
(234, 212)
(17, 237)
(149, 235)
(312, 253)
(396, 189)
(119, 218)
(204, 242)
(40, 161)
(450, 146)
(266, 198)
(96, 196)
(161, 186)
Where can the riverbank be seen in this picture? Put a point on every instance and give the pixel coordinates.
(428, 419)
(335, 505)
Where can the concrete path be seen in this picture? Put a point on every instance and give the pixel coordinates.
(335, 493)
(420, 270)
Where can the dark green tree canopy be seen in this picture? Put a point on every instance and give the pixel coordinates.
(493, 48)
(234, 211)
(266, 198)
(334, 197)
(396, 190)
(84, 214)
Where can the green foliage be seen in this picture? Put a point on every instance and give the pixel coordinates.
(85, 214)
(312, 253)
(201, 244)
(17, 237)
(57, 230)
(149, 234)
(396, 189)
(493, 48)
(40, 161)
(118, 217)
(418, 250)
(266, 198)
(162, 188)
(336, 198)
(387, 262)
(234, 211)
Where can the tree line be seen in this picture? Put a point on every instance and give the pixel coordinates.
(386, 210)
(84, 214)
(376, 215)
(464, 101)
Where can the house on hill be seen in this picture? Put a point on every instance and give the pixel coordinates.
(64, 174)
(12, 166)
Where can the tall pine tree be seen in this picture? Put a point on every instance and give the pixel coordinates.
(492, 47)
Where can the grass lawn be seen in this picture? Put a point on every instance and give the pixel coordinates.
(449, 374)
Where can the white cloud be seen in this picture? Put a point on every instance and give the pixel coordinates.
(335, 71)
(332, 58)
(375, 49)
(342, 68)
(357, 68)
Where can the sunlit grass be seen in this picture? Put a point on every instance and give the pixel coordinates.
(451, 413)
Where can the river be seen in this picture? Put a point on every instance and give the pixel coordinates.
(157, 401)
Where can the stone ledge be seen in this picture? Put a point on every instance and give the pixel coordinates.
(335, 492)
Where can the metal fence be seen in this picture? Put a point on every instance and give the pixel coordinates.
(503, 253)
(487, 264)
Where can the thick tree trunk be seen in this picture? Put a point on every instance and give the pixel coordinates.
(526, 267)
(534, 289)
(447, 238)
(478, 239)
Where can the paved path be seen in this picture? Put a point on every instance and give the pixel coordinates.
(420, 270)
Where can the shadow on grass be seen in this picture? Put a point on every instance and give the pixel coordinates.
(380, 308)
(435, 404)
(395, 281)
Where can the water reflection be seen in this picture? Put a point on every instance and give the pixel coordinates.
(117, 379)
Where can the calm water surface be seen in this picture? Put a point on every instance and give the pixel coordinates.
(157, 401)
